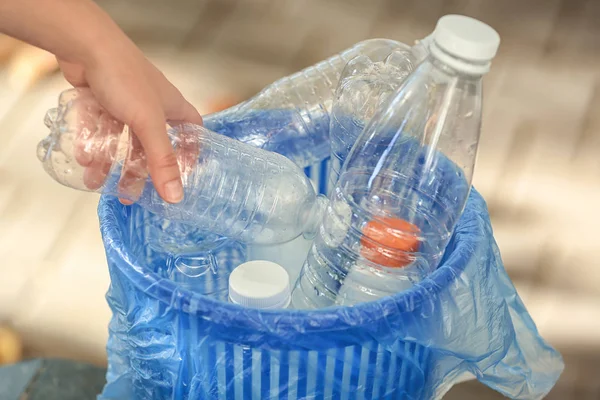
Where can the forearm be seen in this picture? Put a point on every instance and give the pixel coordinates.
(77, 31)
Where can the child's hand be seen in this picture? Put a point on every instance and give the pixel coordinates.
(131, 89)
(93, 52)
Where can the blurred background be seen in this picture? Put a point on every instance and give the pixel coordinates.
(539, 163)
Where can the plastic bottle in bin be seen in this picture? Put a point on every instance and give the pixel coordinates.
(406, 181)
(230, 188)
(364, 86)
(291, 115)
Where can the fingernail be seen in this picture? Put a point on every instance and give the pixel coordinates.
(174, 191)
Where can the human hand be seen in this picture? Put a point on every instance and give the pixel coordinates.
(137, 94)
(93, 52)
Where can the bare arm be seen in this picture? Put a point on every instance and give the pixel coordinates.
(73, 30)
(93, 52)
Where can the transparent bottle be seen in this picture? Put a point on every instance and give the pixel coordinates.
(230, 188)
(364, 86)
(291, 115)
(406, 181)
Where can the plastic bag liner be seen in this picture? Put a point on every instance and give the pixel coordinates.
(466, 319)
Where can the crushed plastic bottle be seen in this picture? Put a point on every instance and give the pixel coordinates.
(230, 188)
(364, 86)
(291, 115)
(406, 181)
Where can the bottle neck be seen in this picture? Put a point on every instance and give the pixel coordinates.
(459, 65)
(312, 216)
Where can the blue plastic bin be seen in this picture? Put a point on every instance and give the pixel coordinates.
(168, 342)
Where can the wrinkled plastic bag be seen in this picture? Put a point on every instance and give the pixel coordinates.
(167, 342)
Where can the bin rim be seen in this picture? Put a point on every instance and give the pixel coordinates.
(466, 238)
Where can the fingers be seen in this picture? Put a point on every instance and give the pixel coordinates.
(179, 113)
(134, 173)
(73, 73)
(150, 129)
(167, 165)
(84, 115)
(143, 101)
(95, 177)
(182, 111)
(96, 139)
(187, 148)
(105, 145)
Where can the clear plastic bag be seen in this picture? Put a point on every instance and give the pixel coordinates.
(167, 342)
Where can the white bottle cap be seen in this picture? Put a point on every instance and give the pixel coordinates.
(466, 38)
(260, 284)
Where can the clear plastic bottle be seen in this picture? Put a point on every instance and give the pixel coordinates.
(291, 116)
(230, 188)
(364, 86)
(406, 181)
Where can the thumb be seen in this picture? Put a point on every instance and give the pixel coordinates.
(150, 129)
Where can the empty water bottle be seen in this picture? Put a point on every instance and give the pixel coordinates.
(230, 188)
(407, 178)
(291, 115)
(364, 86)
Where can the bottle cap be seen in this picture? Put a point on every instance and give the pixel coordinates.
(466, 38)
(389, 242)
(260, 284)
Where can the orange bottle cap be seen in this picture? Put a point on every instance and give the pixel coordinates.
(386, 241)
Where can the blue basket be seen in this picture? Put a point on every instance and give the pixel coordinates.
(168, 342)
(319, 175)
